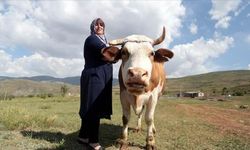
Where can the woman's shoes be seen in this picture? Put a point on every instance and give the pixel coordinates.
(90, 146)
(83, 141)
(95, 146)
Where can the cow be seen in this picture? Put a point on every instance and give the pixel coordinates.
(141, 79)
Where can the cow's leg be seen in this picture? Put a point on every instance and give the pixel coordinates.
(149, 117)
(125, 120)
(154, 130)
(138, 128)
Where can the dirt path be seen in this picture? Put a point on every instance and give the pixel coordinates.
(227, 120)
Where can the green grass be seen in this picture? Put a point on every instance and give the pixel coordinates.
(53, 123)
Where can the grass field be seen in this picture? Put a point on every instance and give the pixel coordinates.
(181, 124)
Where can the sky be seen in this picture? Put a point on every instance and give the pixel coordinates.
(46, 37)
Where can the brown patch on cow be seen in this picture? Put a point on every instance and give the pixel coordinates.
(157, 74)
(124, 54)
(226, 120)
(111, 54)
(162, 55)
(122, 86)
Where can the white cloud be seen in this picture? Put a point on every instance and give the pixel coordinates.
(221, 10)
(193, 28)
(236, 13)
(248, 66)
(54, 31)
(5, 59)
(223, 22)
(37, 64)
(196, 57)
(56, 28)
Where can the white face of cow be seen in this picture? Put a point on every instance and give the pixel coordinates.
(136, 68)
(138, 59)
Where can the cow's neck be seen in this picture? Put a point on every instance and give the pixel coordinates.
(138, 104)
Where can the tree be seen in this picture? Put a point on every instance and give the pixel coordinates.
(214, 91)
(224, 91)
(64, 90)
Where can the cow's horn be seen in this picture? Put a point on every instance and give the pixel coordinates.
(116, 42)
(160, 39)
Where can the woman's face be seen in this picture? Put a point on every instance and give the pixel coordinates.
(99, 29)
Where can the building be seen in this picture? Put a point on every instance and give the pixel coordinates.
(191, 94)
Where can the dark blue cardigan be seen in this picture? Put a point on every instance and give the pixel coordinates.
(96, 81)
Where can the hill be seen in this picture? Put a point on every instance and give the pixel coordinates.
(229, 82)
(212, 83)
(24, 87)
(70, 80)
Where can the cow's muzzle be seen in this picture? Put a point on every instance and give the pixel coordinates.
(137, 85)
(137, 78)
(136, 88)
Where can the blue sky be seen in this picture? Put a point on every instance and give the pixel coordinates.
(238, 55)
(40, 37)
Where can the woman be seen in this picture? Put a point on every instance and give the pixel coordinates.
(95, 87)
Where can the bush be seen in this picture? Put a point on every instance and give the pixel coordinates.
(238, 93)
(43, 95)
(30, 95)
(50, 95)
(64, 90)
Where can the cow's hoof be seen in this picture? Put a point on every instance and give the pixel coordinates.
(124, 147)
(122, 144)
(151, 147)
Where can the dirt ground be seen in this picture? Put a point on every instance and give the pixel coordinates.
(226, 120)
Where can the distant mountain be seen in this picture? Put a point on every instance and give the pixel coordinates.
(72, 80)
(69, 80)
(4, 78)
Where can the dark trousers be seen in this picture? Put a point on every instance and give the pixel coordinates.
(90, 128)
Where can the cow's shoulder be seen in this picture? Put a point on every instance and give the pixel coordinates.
(158, 76)
(121, 83)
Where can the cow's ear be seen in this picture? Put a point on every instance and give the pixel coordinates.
(162, 55)
(111, 54)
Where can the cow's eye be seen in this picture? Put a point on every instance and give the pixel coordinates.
(151, 54)
(124, 54)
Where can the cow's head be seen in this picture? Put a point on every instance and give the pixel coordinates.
(137, 55)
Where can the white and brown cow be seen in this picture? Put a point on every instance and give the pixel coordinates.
(141, 78)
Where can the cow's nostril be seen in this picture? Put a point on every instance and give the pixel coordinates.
(130, 73)
(145, 74)
(137, 72)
